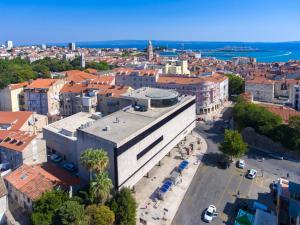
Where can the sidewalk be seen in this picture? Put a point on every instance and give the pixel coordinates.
(156, 211)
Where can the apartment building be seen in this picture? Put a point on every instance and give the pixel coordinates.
(12, 97)
(21, 121)
(136, 78)
(90, 97)
(211, 91)
(20, 148)
(261, 88)
(179, 67)
(27, 183)
(146, 135)
(42, 96)
(288, 202)
(295, 97)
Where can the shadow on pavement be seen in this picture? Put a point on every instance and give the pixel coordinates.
(231, 209)
(211, 159)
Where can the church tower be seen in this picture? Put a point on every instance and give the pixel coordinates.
(150, 51)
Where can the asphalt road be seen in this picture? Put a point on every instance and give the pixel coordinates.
(228, 188)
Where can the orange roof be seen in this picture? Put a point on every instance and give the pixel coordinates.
(103, 80)
(284, 112)
(18, 85)
(34, 180)
(17, 141)
(78, 76)
(15, 119)
(130, 71)
(91, 70)
(42, 83)
(73, 88)
(259, 80)
(116, 91)
(215, 78)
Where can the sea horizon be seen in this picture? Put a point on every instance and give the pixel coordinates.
(266, 51)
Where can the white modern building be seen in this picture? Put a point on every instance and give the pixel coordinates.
(61, 136)
(9, 44)
(139, 136)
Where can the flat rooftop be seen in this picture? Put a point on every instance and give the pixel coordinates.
(70, 124)
(124, 124)
(151, 93)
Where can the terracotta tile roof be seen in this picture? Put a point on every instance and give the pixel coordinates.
(215, 78)
(73, 88)
(17, 141)
(17, 86)
(116, 91)
(130, 71)
(15, 119)
(3, 190)
(259, 80)
(41, 83)
(34, 180)
(78, 76)
(103, 80)
(91, 70)
(284, 112)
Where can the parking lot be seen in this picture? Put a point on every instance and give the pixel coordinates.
(228, 189)
(225, 189)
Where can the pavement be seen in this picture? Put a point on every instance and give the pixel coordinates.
(227, 189)
(156, 211)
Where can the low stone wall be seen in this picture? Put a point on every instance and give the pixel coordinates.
(261, 141)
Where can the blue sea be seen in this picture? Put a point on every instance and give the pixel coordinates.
(265, 52)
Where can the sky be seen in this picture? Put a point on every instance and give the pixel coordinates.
(57, 21)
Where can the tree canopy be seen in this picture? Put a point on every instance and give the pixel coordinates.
(20, 70)
(45, 208)
(100, 215)
(236, 85)
(267, 123)
(233, 144)
(100, 187)
(124, 205)
(71, 213)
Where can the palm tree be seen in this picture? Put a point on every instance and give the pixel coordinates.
(94, 160)
(100, 187)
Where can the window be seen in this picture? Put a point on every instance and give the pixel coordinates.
(147, 149)
(150, 130)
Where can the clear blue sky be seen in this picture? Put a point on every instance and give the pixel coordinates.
(37, 21)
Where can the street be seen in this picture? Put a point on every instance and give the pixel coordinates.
(228, 188)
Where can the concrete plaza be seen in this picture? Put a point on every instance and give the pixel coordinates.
(155, 211)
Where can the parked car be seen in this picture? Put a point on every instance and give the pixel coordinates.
(56, 158)
(224, 162)
(240, 164)
(251, 174)
(71, 167)
(210, 213)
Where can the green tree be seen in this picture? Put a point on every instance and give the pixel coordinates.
(94, 160)
(124, 205)
(236, 84)
(71, 213)
(46, 206)
(99, 215)
(294, 122)
(98, 65)
(100, 187)
(42, 70)
(233, 144)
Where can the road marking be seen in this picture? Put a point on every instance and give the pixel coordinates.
(225, 190)
(239, 184)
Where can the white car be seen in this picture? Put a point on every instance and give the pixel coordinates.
(210, 213)
(240, 164)
(251, 174)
